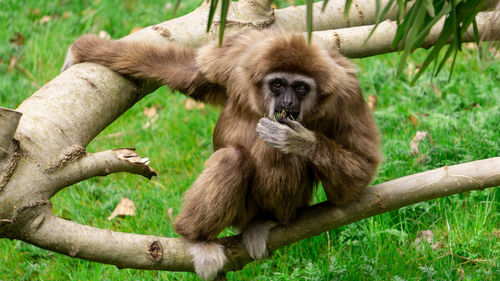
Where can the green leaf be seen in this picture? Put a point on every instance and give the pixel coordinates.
(224, 8)
(379, 18)
(429, 6)
(324, 5)
(176, 7)
(401, 10)
(211, 13)
(347, 7)
(309, 19)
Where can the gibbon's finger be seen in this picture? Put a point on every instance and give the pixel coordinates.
(294, 125)
(274, 134)
(269, 129)
(268, 123)
(69, 61)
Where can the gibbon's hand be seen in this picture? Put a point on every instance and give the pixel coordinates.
(89, 48)
(69, 61)
(289, 136)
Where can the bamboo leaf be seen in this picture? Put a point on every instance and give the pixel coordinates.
(324, 5)
(427, 28)
(379, 18)
(224, 8)
(452, 64)
(442, 40)
(211, 13)
(444, 59)
(401, 10)
(429, 6)
(309, 19)
(176, 7)
(347, 7)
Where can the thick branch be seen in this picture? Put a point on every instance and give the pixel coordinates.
(190, 29)
(149, 252)
(362, 12)
(351, 41)
(73, 108)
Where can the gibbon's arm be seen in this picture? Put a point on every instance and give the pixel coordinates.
(167, 64)
(344, 172)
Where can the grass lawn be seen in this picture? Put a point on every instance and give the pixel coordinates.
(462, 116)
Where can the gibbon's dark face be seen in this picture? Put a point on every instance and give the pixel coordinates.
(289, 94)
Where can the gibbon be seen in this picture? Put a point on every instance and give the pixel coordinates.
(292, 116)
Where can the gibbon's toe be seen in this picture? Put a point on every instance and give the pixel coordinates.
(255, 238)
(208, 258)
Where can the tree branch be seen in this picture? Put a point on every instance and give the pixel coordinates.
(362, 12)
(351, 41)
(190, 29)
(150, 252)
(102, 164)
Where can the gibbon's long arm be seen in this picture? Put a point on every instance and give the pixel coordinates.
(166, 64)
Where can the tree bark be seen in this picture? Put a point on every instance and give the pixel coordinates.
(78, 104)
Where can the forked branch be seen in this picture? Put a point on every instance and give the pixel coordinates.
(149, 252)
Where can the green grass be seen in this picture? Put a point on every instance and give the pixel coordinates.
(462, 116)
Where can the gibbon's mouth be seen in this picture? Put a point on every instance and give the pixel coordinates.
(283, 114)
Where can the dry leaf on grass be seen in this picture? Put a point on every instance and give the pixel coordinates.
(35, 12)
(416, 139)
(152, 114)
(12, 64)
(18, 39)
(45, 19)
(170, 214)
(66, 15)
(191, 104)
(125, 207)
(104, 35)
(372, 101)
(426, 236)
(436, 91)
(413, 120)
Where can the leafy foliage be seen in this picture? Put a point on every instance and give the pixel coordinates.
(413, 26)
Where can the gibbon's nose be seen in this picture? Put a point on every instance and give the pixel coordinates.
(289, 101)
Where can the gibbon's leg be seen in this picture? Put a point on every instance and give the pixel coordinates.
(255, 238)
(212, 203)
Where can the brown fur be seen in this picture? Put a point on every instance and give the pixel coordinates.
(246, 178)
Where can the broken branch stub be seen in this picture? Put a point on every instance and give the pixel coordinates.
(9, 120)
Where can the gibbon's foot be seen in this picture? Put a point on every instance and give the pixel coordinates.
(208, 258)
(255, 238)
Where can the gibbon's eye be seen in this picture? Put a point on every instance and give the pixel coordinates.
(277, 85)
(301, 88)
